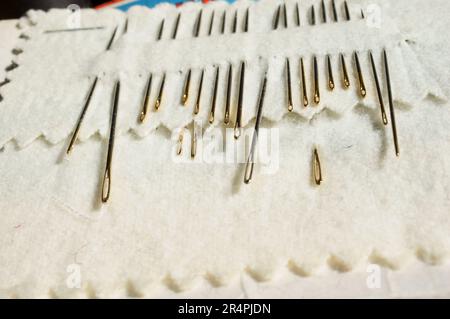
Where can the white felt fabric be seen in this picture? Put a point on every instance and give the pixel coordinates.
(175, 223)
(59, 68)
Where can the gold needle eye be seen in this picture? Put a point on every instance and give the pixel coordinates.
(330, 73)
(324, 12)
(297, 10)
(317, 169)
(193, 140)
(377, 85)
(362, 86)
(214, 98)
(313, 16)
(199, 94)
(304, 92)
(160, 93)
(146, 100)
(177, 22)
(228, 97)
(345, 78)
(391, 102)
(187, 83)
(180, 142)
(335, 15)
(246, 20)
(111, 40)
(83, 113)
(211, 23)
(285, 16)
(316, 82)
(251, 158)
(288, 86)
(347, 11)
(235, 21)
(160, 32)
(197, 25)
(106, 185)
(277, 17)
(237, 123)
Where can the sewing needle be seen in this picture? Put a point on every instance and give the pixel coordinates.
(317, 170)
(106, 185)
(335, 15)
(362, 86)
(211, 24)
(324, 12)
(161, 28)
(316, 82)
(160, 93)
(377, 85)
(304, 92)
(187, 83)
(214, 97)
(222, 28)
(237, 125)
(345, 78)
(177, 22)
(391, 103)
(251, 158)
(180, 142)
(290, 106)
(347, 11)
(146, 100)
(246, 20)
(80, 119)
(74, 29)
(228, 96)
(199, 94)
(198, 23)
(111, 40)
(277, 17)
(193, 140)
(330, 73)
